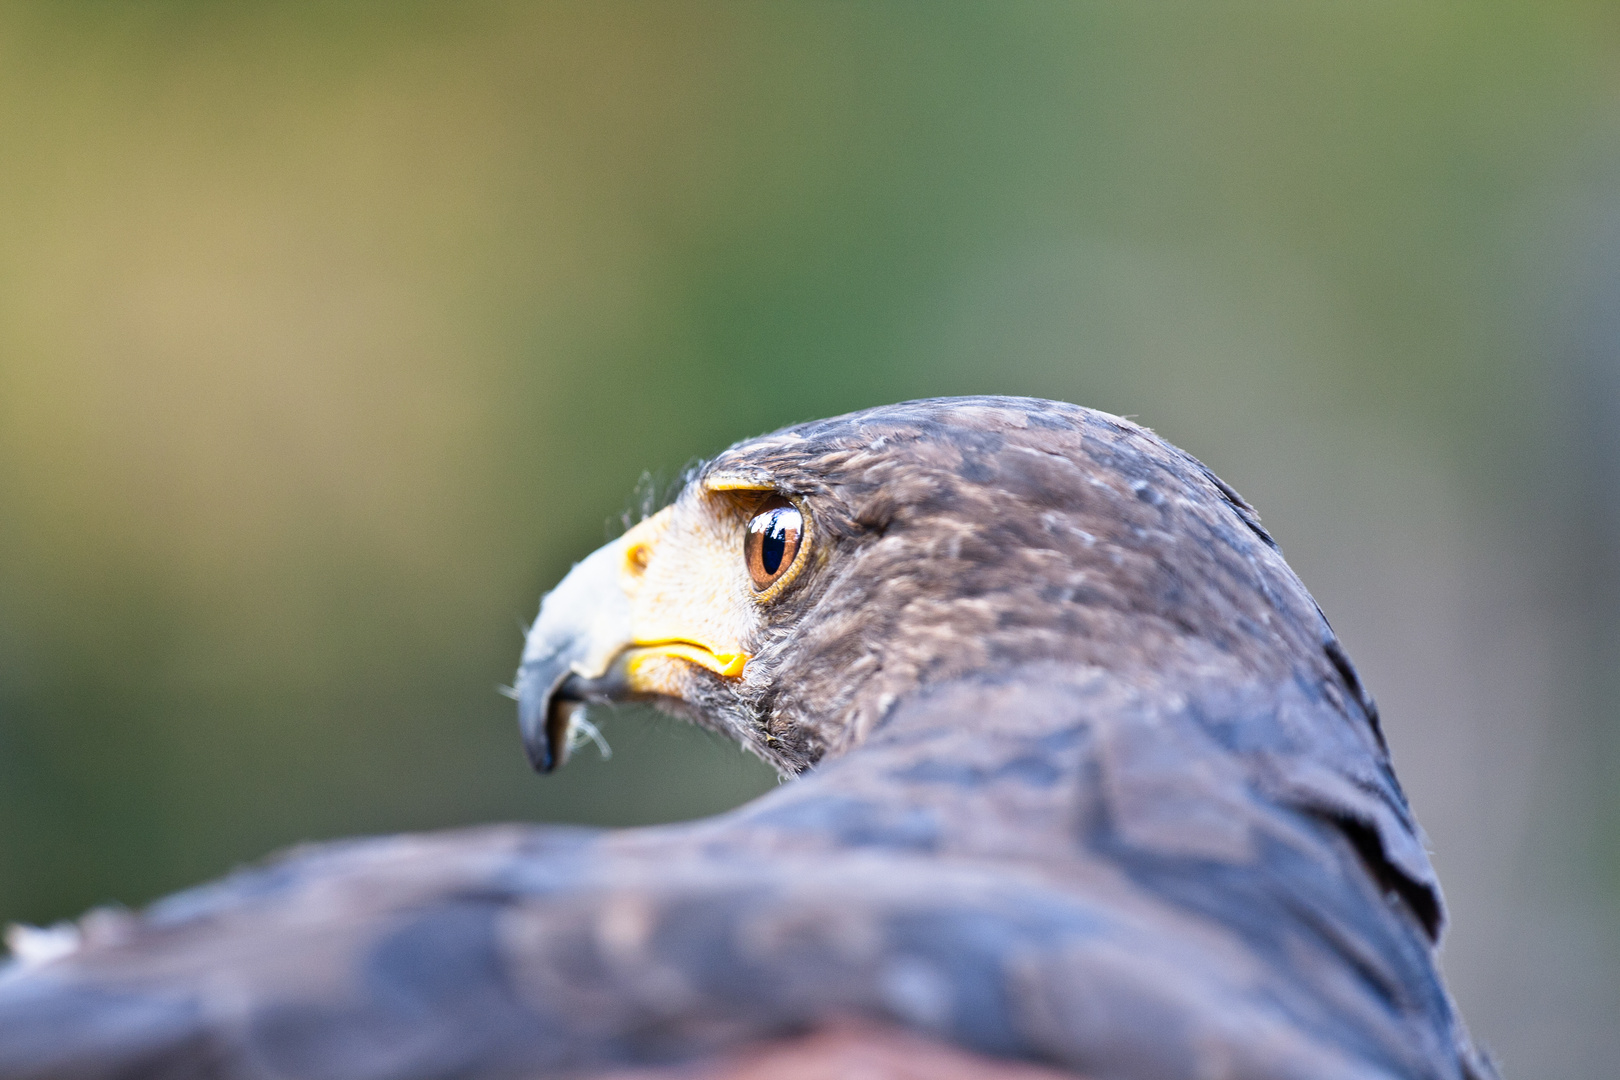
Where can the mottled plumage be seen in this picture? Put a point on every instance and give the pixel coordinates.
(1094, 788)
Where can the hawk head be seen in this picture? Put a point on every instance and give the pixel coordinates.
(803, 582)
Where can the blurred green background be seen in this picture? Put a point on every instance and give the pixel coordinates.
(330, 334)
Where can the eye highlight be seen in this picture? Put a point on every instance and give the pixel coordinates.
(774, 535)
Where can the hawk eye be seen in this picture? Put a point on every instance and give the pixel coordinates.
(773, 540)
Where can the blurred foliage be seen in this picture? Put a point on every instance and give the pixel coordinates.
(331, 333)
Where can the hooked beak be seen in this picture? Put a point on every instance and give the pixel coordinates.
(583, 627)
(585, 647)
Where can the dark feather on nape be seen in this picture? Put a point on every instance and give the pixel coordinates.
(1352, 682)
(653, 492)
(1250, 516)
(1423, 904)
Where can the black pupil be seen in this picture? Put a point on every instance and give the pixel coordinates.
(774, 544)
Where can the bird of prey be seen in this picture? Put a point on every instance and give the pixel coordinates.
(1086, 787)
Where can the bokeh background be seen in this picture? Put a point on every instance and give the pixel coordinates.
(330, 334)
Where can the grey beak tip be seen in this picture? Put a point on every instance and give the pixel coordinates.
(535, 691)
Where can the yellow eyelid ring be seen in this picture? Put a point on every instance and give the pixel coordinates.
(737, 481)
(743, 481)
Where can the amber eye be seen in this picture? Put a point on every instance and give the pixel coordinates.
(773, 541)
